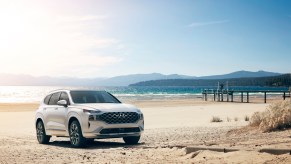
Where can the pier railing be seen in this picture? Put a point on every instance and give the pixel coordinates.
(227, 95)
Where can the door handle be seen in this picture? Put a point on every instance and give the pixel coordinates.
(56, 108)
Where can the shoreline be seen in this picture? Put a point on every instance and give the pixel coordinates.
(28, 107)
(144, 103)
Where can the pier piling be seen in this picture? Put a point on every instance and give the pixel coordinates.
(218, 95)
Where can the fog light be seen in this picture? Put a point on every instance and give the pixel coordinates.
(91, 118)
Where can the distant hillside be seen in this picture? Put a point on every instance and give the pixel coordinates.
(240, 74)
(124, 80)
(281, 80)
(10, 79)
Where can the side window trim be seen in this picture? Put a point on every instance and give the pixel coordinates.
(50, 96)
(57, 98)
(67, 96)
(114, 97)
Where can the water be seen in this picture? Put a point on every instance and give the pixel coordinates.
(20, 94)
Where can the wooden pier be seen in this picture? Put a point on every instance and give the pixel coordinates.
(220, 95)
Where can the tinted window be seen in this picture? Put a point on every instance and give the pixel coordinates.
(64, 96)
(46, 99)
(55, 98)
(81, 97)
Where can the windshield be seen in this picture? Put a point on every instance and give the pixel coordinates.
(81, 97)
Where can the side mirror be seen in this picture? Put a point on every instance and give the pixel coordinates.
(63, 103)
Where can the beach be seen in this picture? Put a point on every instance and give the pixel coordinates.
(176, 131)
(201, 82)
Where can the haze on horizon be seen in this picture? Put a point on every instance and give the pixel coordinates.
(105, 38)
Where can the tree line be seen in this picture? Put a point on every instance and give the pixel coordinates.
(281, 80)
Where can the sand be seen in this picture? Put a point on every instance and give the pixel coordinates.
(171, 127)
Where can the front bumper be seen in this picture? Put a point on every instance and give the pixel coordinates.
(100, 129)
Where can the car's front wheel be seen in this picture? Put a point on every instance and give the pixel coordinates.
(76, 136)
(42, 138)
(131, 140)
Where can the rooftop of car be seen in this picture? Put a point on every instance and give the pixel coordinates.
(60, 90)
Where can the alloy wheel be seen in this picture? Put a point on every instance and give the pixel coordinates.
(39, 131)
(74, 134)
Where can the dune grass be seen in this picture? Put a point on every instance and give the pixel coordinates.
(216, 119)
(247, 118)
(277, 116)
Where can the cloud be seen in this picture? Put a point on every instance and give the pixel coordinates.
(199, 24)
(42, 43)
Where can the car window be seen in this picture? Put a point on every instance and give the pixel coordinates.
(46, 99)
(64, 96)
(55, 98)
(81, 97)
(105, 97)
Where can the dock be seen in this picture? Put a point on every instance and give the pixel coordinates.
(227, 95)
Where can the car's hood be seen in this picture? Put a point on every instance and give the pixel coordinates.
(109, 107)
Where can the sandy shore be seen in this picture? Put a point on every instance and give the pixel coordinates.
(18, 107)
(171, 127)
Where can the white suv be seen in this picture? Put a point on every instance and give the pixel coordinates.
(84, 115)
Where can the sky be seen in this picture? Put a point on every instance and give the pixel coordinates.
(105, 38)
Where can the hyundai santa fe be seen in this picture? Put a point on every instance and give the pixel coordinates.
(85, 115)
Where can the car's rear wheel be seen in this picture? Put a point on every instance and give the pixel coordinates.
(131, 140)
(76, 136)
(42, 138)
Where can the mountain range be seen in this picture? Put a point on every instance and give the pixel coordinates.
(283, 80)
(124, 80)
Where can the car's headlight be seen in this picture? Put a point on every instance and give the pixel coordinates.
(141, 116)
(138, 110)
(91, 111)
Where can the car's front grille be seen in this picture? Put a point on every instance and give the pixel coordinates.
(119, 130)
(119, 117)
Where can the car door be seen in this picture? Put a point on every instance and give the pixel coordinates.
(61, 113)
(51, 112)
(45, 113)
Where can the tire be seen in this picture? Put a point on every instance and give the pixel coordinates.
(76, 136)
(131, 140)
(42, 138)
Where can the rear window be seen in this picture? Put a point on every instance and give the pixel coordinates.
(81, 97)
(55, 98)
(46, 99)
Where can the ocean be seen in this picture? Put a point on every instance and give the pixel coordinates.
(26, 94)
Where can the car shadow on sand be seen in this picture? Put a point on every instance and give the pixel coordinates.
(97, 144)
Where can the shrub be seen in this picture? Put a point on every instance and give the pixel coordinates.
(276, 116)
(256, 119)
(247, 118)
(216, 119)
